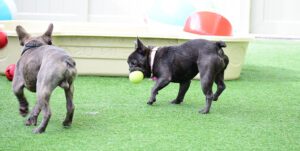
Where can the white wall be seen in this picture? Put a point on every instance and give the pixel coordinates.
(276, 17)
(126, 11)
(58, 10)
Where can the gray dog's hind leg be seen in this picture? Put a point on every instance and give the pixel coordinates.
(45, 86)
(70, 106)
(43, 103)
(32, 120)
(18, 89)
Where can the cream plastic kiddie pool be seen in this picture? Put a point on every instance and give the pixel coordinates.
(102, 49)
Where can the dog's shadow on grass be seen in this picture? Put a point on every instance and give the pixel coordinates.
(254, 73)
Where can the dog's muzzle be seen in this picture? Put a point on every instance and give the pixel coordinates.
(136, 69)
(146, 74)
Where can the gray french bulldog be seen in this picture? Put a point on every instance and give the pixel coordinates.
(180, 64)
(41, 68)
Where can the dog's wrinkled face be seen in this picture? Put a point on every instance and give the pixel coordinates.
(138, 60)
(44, 39)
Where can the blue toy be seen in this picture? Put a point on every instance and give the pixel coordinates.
(174, 12)
(7, 9)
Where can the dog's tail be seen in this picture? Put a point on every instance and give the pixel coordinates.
(226, 61)
(71, 67)
(220, 45)
(70, 73)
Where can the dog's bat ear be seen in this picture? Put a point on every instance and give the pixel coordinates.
(47, 36)
(49, 31)
(140, 47)
(139, 44)
(22, 34)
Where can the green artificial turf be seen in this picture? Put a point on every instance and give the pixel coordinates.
(260, 111)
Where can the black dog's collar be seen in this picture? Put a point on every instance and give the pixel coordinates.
(31, 44)
(151, 60)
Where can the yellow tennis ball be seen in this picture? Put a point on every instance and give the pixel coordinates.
(136, 76)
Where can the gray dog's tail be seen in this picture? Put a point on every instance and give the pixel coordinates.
(71, 67)
(70, 73)
(70, 62)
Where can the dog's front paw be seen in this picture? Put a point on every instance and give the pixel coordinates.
(176, 101)
(23, 111)
(32, 120)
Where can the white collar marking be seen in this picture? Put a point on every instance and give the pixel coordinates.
(152, 55)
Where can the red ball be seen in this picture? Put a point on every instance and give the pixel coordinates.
(3, 39)
(208, 23)
(9, 72)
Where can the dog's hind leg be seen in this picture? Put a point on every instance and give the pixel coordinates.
(184, 86)
(70, 106)
(18, 89)
(34, 115)
(207, 79)
(206, 83)
(219, 80)
(43, 97)
(45, 86)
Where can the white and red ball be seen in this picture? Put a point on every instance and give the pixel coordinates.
(3, 39)
(9, 71)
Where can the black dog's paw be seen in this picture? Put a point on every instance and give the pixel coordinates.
(31, 121)
(204, 111)
(67, 123)
(215, 98)
(23, 111)
(176, 101)
(38, 130)
(150, 102)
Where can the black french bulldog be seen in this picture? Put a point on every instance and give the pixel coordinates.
(180, 64)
